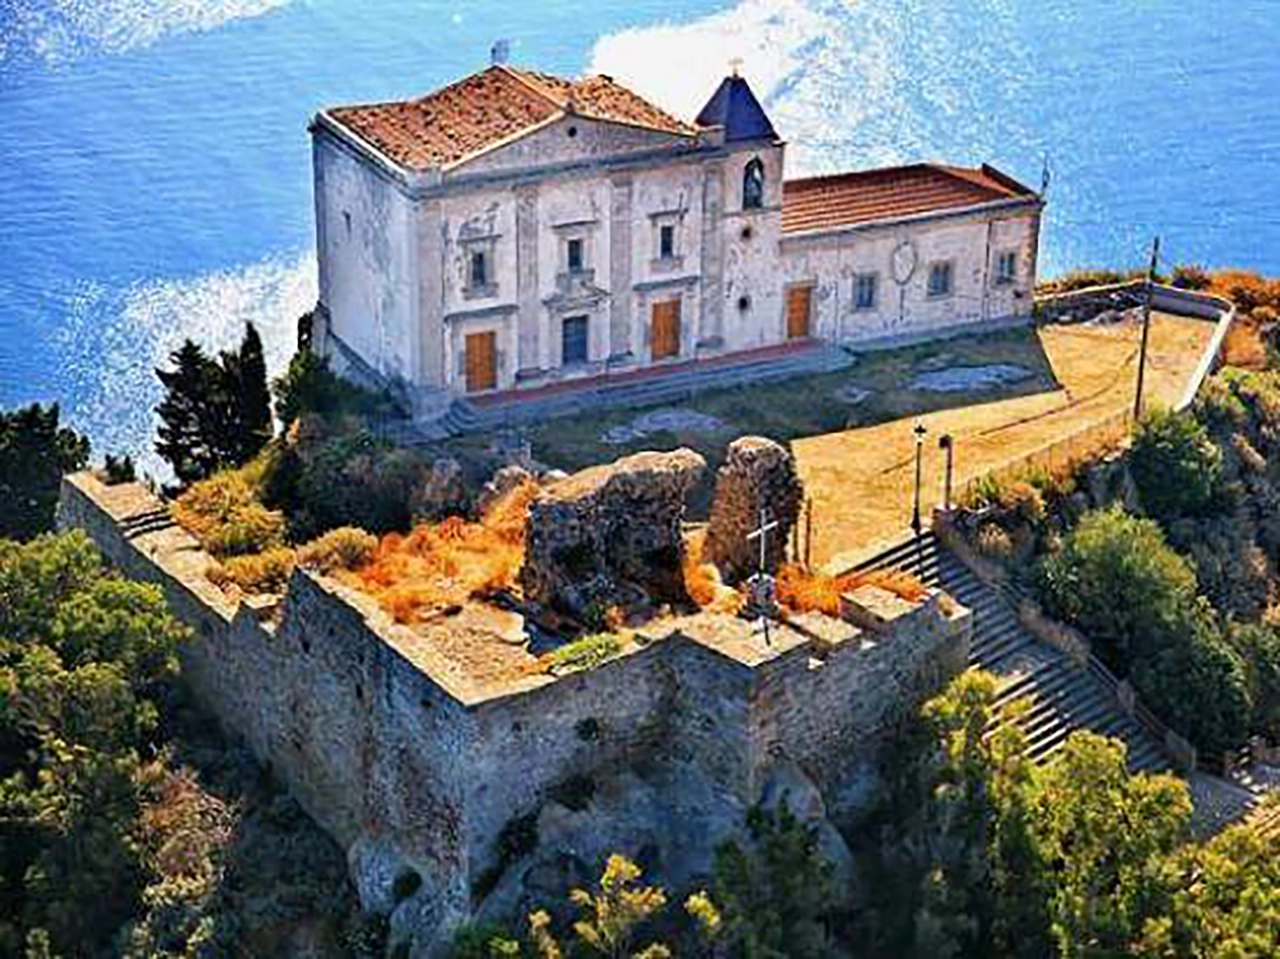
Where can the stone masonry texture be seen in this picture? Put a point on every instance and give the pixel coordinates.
(414, 774)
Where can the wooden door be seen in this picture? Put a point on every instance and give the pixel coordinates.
(666, 329)
(799, 307)
(482, 362)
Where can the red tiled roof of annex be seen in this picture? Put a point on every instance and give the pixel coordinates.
(487, 108)
(848, 199)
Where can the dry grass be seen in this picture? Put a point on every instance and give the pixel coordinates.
(1257, 301)
(861, 480)
(225, 514)
(444, 564)
(702, 580)
(805, 591)
(265, 572)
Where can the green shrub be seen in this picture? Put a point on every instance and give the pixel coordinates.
(310, 386)
(586, 652)
(266, 572)
(1259, 647)
(344, 548)
(1191, 277)
(1117, 579)
(355, 480)
(1175, 465)
(119, 469)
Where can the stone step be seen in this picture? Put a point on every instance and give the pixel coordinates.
(1065, 698)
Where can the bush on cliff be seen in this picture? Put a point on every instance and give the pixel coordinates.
(34, 453)
(226, 514)
(1117, 580)
(83, 656)
(1176, 466)
(310, 386)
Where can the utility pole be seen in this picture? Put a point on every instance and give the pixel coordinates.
(1146, 327)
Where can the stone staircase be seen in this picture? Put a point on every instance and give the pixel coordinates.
(1064, 697)
(639, 389)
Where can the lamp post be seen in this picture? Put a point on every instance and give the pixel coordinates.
(916, 526)
(947, 445)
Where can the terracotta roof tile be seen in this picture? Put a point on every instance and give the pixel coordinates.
(475, 113)
(847, 199)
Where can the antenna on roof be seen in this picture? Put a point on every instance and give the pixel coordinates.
(500, 52)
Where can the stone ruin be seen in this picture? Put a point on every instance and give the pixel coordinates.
(756, 473)
(611, 534)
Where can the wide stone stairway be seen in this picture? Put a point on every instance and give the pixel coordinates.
(1063, 697)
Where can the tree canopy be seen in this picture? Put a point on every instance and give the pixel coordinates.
(34, 453)
(216, 412)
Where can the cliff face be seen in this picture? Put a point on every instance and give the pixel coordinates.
(452, 798)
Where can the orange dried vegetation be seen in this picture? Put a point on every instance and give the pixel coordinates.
(804, 591)
(702, 580)
(446, 563)
(1257, 301)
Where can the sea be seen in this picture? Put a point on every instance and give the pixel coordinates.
(155, 177)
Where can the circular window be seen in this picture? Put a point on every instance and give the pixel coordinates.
(747, 232)
(572, 131)
(744, 304)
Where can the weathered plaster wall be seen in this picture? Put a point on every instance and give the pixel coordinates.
(972, 244)
(366, 236)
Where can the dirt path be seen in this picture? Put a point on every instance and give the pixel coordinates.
(861, 480)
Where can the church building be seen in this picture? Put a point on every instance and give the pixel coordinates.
(515, 230)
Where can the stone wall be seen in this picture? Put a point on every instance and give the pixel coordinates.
(680, 733)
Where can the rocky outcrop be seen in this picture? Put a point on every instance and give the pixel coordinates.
(505, 480)
(757, 473)
(610, 534)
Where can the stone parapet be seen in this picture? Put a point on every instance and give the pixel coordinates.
(414, 769)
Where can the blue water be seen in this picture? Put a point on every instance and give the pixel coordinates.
(155, 171)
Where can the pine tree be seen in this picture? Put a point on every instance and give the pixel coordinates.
(34, 453)
(216, 412)
(190, 419)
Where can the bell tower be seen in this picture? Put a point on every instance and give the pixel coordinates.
(745, 282)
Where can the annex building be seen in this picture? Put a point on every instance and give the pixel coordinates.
(515, 230)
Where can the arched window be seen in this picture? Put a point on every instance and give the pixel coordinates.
(753, 185)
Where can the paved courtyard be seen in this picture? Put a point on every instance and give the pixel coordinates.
(861, 480)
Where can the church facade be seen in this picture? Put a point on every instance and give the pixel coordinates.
(516, 230)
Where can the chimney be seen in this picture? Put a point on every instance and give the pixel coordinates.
(500, 52)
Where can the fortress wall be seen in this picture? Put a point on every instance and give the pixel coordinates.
(670, 701)
(832, 717)
(370, 747)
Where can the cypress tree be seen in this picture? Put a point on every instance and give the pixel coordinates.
(190, 418)
(253, 393)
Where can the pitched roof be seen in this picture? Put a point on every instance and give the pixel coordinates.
(734, 107)
(490, 107)
(847, 199)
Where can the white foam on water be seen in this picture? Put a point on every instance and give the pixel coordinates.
(112, 344)
(847, 84)
(57, 31)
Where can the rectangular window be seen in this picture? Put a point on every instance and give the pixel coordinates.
(666, 242)
(1006, 268)
(940, 279)
(864, 291)
(574, 255)
(479, 269)
(573, 341)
